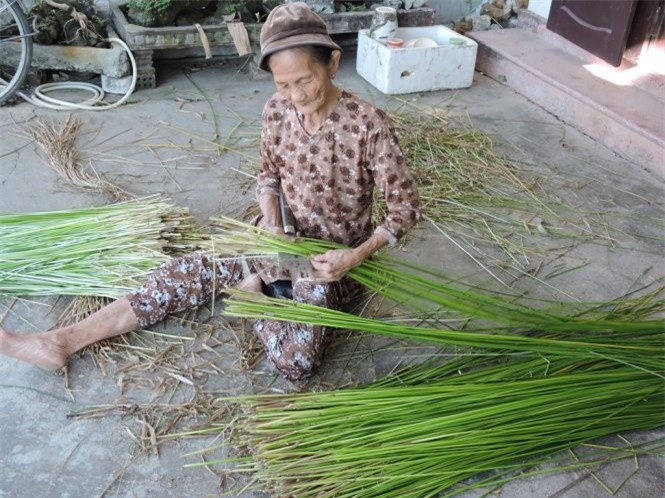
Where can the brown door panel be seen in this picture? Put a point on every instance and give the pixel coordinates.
(598, 26)
(648, 30)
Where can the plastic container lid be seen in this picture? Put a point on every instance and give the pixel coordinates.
(395, 42)
(422, 42)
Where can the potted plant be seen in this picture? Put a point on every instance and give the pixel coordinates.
(68, 22)
(154, 13)
(151, 13)
(229, 10)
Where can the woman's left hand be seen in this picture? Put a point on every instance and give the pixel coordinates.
(334, 264)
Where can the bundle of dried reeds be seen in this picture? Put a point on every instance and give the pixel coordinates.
(460, 176)
(475, 197)
(58, 143)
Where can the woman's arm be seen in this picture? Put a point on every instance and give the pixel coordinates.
(268, 183)
(394, 179)
(333, 265)
(271, 219)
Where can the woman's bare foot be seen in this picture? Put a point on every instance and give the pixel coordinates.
(252, 283)
(39, 349)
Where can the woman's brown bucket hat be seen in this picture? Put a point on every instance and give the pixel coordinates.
(292, 25)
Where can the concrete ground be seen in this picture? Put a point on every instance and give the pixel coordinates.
(160, 143)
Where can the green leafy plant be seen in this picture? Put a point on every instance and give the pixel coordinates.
(147, 5)
(228, 8)
(352, 7)
(150, 14)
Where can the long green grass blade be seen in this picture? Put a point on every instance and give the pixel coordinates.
(424, 437)
(101, 251)
(619, 331)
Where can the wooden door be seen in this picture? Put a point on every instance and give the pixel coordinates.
(647, 34)
(598, 26)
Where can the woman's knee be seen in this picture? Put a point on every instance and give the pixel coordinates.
(296, 351)
(300, 365)
(315, 293)
(181, 283)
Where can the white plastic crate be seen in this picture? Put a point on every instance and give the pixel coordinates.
(419, 69)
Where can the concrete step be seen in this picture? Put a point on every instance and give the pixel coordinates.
(649, 75)
(627, 118)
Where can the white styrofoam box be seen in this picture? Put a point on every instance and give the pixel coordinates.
(419, 69)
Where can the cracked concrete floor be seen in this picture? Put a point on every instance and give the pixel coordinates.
(161, 143)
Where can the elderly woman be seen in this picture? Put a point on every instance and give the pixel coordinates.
(325, 150)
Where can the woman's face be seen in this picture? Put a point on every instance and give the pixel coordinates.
(304, 81)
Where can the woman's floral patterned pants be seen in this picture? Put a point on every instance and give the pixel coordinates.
(190, 280)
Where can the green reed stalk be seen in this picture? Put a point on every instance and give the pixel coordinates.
(645, 351)
(101, 251)
(421, 289)
(422, 438)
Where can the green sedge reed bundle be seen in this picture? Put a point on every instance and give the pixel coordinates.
(621, 333)
(423, 290)
(564, 379)
(422, 438)
(393, 278)
(101, 251)
(643, 350)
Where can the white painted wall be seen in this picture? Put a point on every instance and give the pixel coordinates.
(540, 7)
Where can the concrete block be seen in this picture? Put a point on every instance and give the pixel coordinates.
(173, 37)
(118, 86)
(352, 22)
(318, 6)
(112, 61)
(407, 70)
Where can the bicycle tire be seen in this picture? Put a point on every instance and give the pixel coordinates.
(13, 10)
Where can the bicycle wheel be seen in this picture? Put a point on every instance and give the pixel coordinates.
(15, 48)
